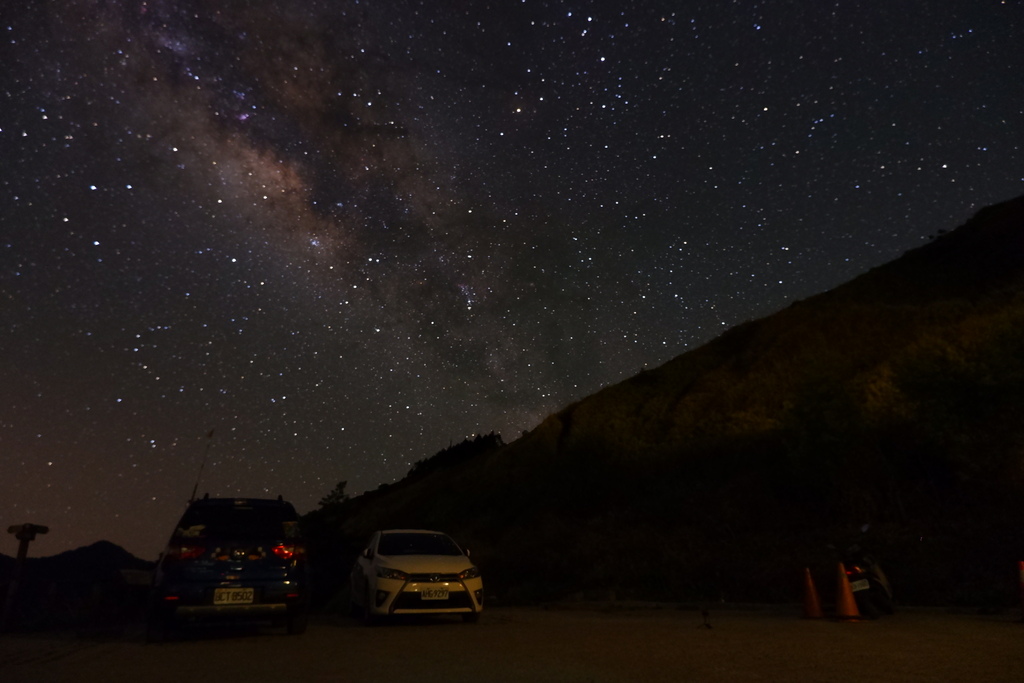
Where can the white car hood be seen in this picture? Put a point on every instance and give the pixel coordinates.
(426, 564)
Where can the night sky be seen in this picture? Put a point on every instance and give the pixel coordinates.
(342, 235)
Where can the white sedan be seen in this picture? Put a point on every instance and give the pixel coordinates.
(414, 571)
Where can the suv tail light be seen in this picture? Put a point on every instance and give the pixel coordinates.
(184, 552)
(287, 552)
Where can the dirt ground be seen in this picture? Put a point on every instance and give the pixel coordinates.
(593, 645)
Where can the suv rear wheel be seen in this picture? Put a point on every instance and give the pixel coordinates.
(158, 624)
(297, 622)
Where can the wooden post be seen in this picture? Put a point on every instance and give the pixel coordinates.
(25, 533)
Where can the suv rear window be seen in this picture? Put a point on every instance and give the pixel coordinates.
(238, 522)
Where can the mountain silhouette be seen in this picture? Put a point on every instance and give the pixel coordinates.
(101, 561)
(94, 588)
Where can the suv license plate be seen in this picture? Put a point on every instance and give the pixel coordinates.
(233, 596)
(434, 593)
(861, 585)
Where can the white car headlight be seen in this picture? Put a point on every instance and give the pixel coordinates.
(471, 573)
(388, 573)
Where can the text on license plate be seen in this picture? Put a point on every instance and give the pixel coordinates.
(861, 585)
(233, 596)
(434, 593)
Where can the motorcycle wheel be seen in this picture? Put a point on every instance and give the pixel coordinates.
(866, 604)
(881, 598)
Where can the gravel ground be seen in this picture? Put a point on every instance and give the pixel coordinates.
(580, 645)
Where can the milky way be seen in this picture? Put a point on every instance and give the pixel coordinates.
(320, 241)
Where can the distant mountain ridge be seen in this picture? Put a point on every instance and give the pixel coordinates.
(98, 590)
(100, 561)
(895, 399)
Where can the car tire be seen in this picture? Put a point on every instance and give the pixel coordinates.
(366, 615)
(155, 632)
(354, 609)
(158, 626)
(297, 622)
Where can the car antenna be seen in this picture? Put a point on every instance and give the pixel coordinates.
(209, 441)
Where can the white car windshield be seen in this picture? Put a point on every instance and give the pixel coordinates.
(417, 544)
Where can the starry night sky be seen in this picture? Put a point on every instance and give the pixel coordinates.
(342, 235)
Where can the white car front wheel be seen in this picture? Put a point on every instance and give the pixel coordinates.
(366, 614)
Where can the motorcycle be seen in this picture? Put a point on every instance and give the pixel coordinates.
(871, 589)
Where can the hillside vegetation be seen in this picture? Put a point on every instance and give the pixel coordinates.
(895, 400)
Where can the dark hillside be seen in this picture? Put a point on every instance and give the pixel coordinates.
(978, 259)
(896, 399)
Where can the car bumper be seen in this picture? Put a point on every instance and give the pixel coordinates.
(239, 611)
(197, 601)
(390, 596)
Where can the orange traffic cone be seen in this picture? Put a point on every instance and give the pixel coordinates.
(812, 605)
(846, 606)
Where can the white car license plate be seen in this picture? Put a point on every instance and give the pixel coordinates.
(233, 596)
(861, 585)
(434, 593)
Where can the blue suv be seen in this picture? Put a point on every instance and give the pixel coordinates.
(232, 558)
